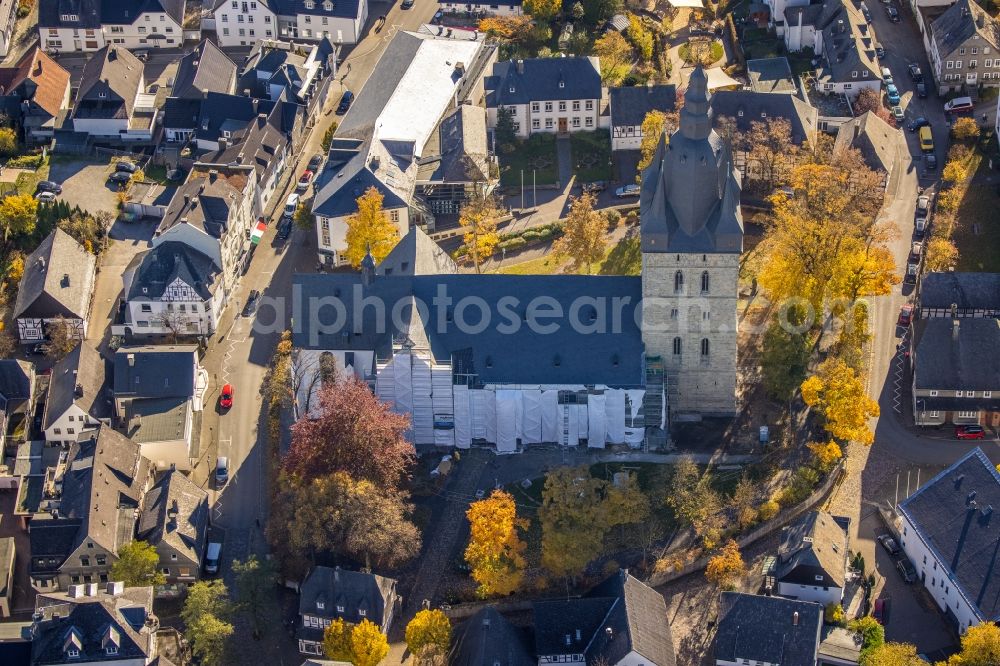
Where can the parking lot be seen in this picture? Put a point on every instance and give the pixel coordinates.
(85, 184)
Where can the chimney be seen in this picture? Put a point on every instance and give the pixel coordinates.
(115, 588)
(520, 66)
(78, 391)
(795, 619)
(173, 510)
(981, 21)
(91, 589)
(578, 634)
(336, 574)
(213, 174)
(609, 633)
(75, 591)
(568, 640)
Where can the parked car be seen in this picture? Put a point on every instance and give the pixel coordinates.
(959, 105)
(930, 159)
(120, 177)
(970, 432)
(226, 398)
(291, 205)
(879, 50)
(285, 229)
(920, 227)
(37, 350)
(48, 186)
(251, 304)
(212, 554)
(918, 123)
(923, 204)
(867, 14)
(315, 162)
(304, 181)
(345, 102)
(887, 76)
(45, 197)
(595, 187)
(406, 4)
(878, 611)
(221, 471)
(897, 113)
(627, 191)
(906, 570)
(904, 319)
(915, 72)
(889, 544)
(126, 166)
(922, 90)
(893, 13)
(892, 93)
(141, 54)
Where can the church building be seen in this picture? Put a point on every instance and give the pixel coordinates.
(516, 360)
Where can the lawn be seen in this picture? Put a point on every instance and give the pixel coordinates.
(537, 153)
(977, 234)
(27, 181)
(591, 155)
(622, 258)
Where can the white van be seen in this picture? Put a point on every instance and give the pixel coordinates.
(212, 554)
(959, 105)
(291, 204)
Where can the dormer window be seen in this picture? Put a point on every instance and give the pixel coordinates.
(102, 95)
(340, 609)
(328, 6)
(562, 84)
(309, 4)
(740, 113)
(111, 649)
(763, 114)
(73, 653)
(362, 612)
(512, 88)
(854, 75)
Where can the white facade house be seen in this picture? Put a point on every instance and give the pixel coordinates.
(629, 107)
(76, 399)
(813, 559)
(111, 102)
(245, 22)
(482, 8)
(90, 25)
(8, 19)
(242, 23)
(949, 520)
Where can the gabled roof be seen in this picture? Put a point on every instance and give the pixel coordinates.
(462, 155)
(39, 78)
(220, 113)
(959, 23)
(168, 262)
(746, 107)
(259, 144)
(206, 200)
(814, 545)
(181, 113)
(58, 280)
(873, 137)
(539, 79)
(149, 420)
(417, 254)
(629, 105)
(91, 623)
(87, 13)
(337, 8)
(206, 69)
(488, 638)
(352, 590)
(155, 371)
(968, 291)
(771, 75)
(956, 354)
(848, 45)
(774, 630)
(953, 515)
(16, 380)
(116, 12)
(79, 377)
(109, 84)
(175, 513)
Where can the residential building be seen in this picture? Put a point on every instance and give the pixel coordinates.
(956, 375)
(482, 8)
(547, 94)
(8, 556)
(391, 127)
(771, 75)
(947, 528)
(417, 254)
(274, 67)
(801, 23)
(244, 23)
(35, 91)
(78, 399)
(813, 558)
(17, 390)
(488, 638)
(93, 496)
(767, 630)
(58, 284)
(174, 520)
(964, 48)
(205, 70)
(958, 294)
(157, 392)
(107, 624)
(329, 594)
(65, 26)
(458, 165)
(879, 143)
(629, 107)
(847, 44)
(620, 622)
(8, 21)
(111, 102)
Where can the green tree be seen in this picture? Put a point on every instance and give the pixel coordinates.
(327, 139)
(504, 131)
(209, 635)
(726, 568)
(694, 502)
(965, 130)
(63, 338)
(479, 219)
(598, 11)
(255, 581)
(18, 214)
(136, 565)
(206, 615)
(429, 631)
(625, 503)
(8, 142)
(784, 361)
(871, 632)
(641, 37)
(573, 520)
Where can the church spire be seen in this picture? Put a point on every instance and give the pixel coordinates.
(695, 121)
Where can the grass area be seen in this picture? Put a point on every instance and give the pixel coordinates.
(538, 154)
(622, 258)
(546, 265)
(703, 56)
(591, 155)
(27, 181)
(156, 173)
(977, 213)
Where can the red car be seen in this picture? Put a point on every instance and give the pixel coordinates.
(905, 316)
(304, 181)
(226, 397)
(878, 612)
(970, 432)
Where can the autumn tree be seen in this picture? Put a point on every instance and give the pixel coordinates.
(507, 29)
(825, 454)
(784, 360)
(871, 632)
(965, 130)
(573, 520)
(694, 502)
(583, 234)
(8, 142)
(428, 632)
(337, 641)
(867, 100)
(479, 219)
(955, 171)
(255, 580)
(350, 431)
(941, 254)
(63, 338)
(15, 267)
(18, 214)
(770, 151)
(615, 55)
(837, 392)
(726, 568)
(206, 614)
(625, 503)
(543, 10)
(640, 36)
(980, 647)
(369, 645)
(304, 218)
(327, 139)
(496, 551)
(137, 565)
(892, 654)
(742, 502)
(8, 345)
(653, 126)
(370, 229)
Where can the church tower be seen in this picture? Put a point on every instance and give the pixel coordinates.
(692, 237)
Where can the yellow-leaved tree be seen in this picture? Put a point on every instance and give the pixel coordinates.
(495, 552)
(18, 214)
(837, 392)
(652, 128)
(479, 219)
(825, 454)
(891, 654)
(337, 641)
(506, 28)
(980, 647)
(941, 254)
(615, 55)
(543, 10)
(726, 568)
(370, 228)
(583, 234)
(369, 645)
(428, 634)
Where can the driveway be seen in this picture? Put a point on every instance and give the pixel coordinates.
(85, 184)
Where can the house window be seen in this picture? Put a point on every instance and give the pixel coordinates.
(70, 431)
(102, 560)
(704, 282)
(589, 105)
(975, 50)
(970, 394)
(950, 64)
(961, 51)
(535, 107)
(854, 74)
(84, 561)
(548, 106)
(987, 394)
(704, 348)
(932, 415)
(173, 556)
(958, 394)
(394, 216)
(146, 307)
(562, 106)
(589, 122)
(72, 653)
(239, 18)
(225, 31)
(576, 105)
(933, 393)
(57, 431)
(548, 123)
(142, 29)
(576, 121)
(967, 415)
(673, 313)
(536, 123)
(958, 64)
(340, 609)
(677, 346)
(362, 612)
(678, 282)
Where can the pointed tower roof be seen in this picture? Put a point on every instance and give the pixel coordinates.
(696, 120)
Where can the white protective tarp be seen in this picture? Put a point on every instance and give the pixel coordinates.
(614, 404)
(385, 382)
(463, 417)
(444, 406)
(490, 415)
(531, 420)
(477, 413)
(506, 420)
(582, 431)
(635, 433)
(596, 406)
(423, 406)
(551, 417)
(401, 388)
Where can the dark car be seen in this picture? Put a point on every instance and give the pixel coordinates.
(345, 102)
(918, 123)
(595, 187)
(893, 14)
(878, 611)
(315, 161)
(970, 432)
(880, 50)
(37, 350)
(906, 570)
(251, 305)
(930, 159)
(120, 177)
(406, 4)
(126, 166)
(867, 14)
(922, 90)
(889, 544)
(285, 229)
(48, 186)
(915, 72)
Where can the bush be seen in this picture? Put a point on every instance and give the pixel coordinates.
(26, 162)
(768, 510)
(802, 485)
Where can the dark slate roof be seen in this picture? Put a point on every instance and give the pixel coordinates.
(416, 254)
(15, 653)
(488, 638)
(555, 620)
(79, 377)
(968, 291)
(763, 629)
(542, 79)
(338, 190)
(175, 513)
(458, 149)
(849, 50)
(181, 113)
(566, 356)
(690, 200)
(264, 138)
(167, 262)
(871, 135)
(232, 113)
(58, 279)
(156, 371)
(338, 8)
(814, 545)
(114, 72)
(206, 69)
(16, 379)
(92, 621)
(157, 420)
(959, 23)
(117, 12)
(51, 538)
(204, 201)
(953, 515)
(51, 11)
(771, 75)
(956, 354)
(629, 106)
(353, 590)
(746, 107)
